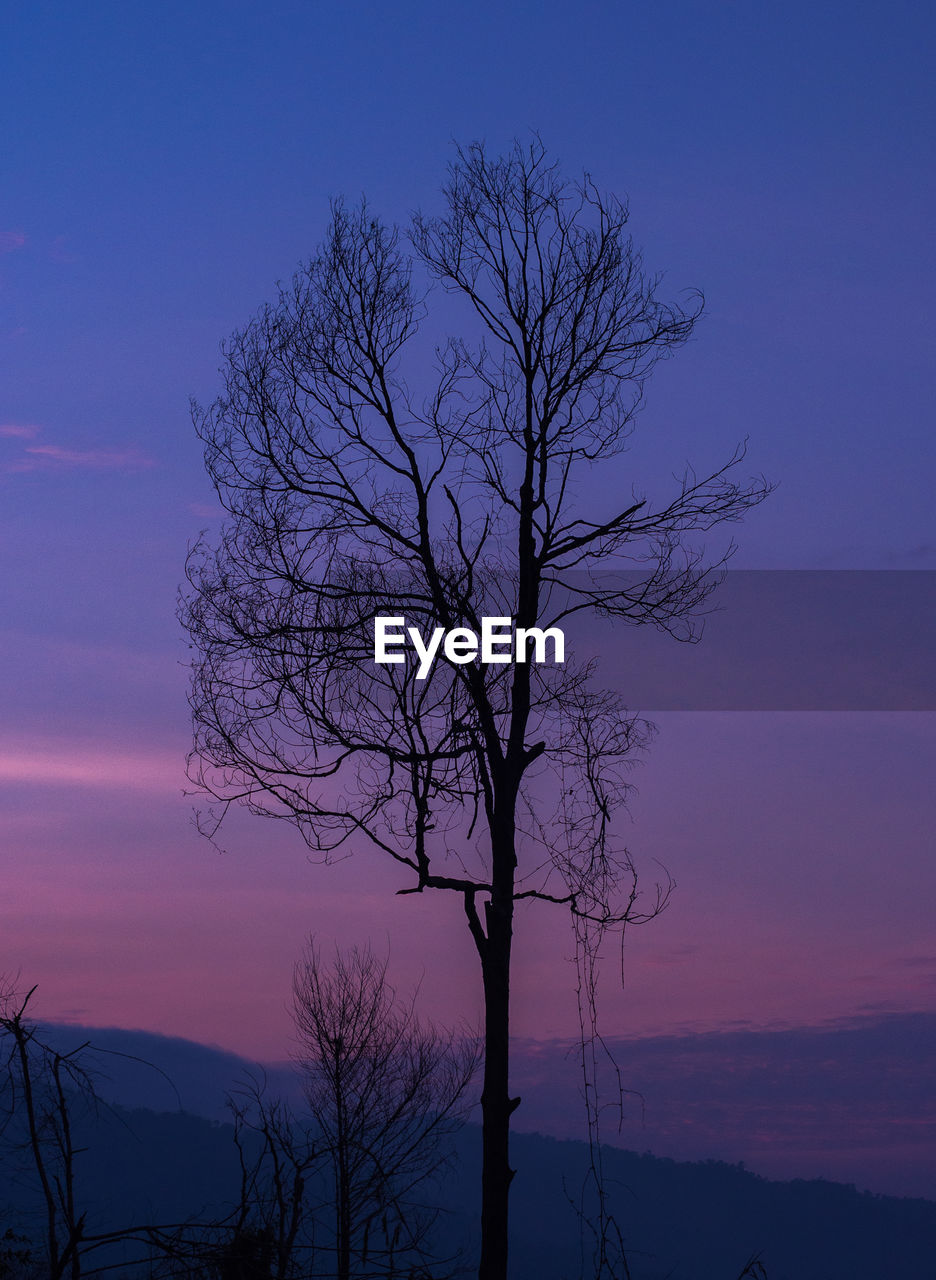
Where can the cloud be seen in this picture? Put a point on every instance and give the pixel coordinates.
(109, 459)
(80, 765)
(18, 430)
(11, 240)
(56, 457)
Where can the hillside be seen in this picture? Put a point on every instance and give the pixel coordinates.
(682, 1221)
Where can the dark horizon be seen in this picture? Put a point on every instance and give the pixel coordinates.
(849, 1101)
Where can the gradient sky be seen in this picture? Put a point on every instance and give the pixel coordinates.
(163, 165)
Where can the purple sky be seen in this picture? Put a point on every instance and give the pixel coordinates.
(163, 167)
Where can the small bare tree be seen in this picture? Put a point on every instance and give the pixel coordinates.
(352, 495)
(48, 1102)
(279, 1159)
(384, 1093)
(40, 1090)
(269, 1231)
(340, 1188)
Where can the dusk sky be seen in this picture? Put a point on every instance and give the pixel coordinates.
(163, 167)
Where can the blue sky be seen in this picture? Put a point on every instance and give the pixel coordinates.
(163, 166)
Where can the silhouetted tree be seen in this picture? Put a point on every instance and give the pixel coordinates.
(279, 1160)
(268, 1232)
(384, 1093)
(337, 1188)
(50, 1113)
(352, 494)
(40, 1090)
(48, 1107)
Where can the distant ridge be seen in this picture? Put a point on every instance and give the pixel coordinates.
(853, 1102)
(680, 1221)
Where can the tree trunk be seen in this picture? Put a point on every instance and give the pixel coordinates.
(496, 1104)
(342, 1177)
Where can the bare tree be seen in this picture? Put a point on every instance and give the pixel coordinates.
(40, 1090)
(384, 1093)
(339, 1188)
(269, 1230)
(352, 496)
(278, 1159)
(48, 1107)
(48, 1101)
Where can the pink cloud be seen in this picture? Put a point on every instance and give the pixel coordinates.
(81, 766)
(54, 455)
(45, 456)
(18, 430)
(10, 240)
